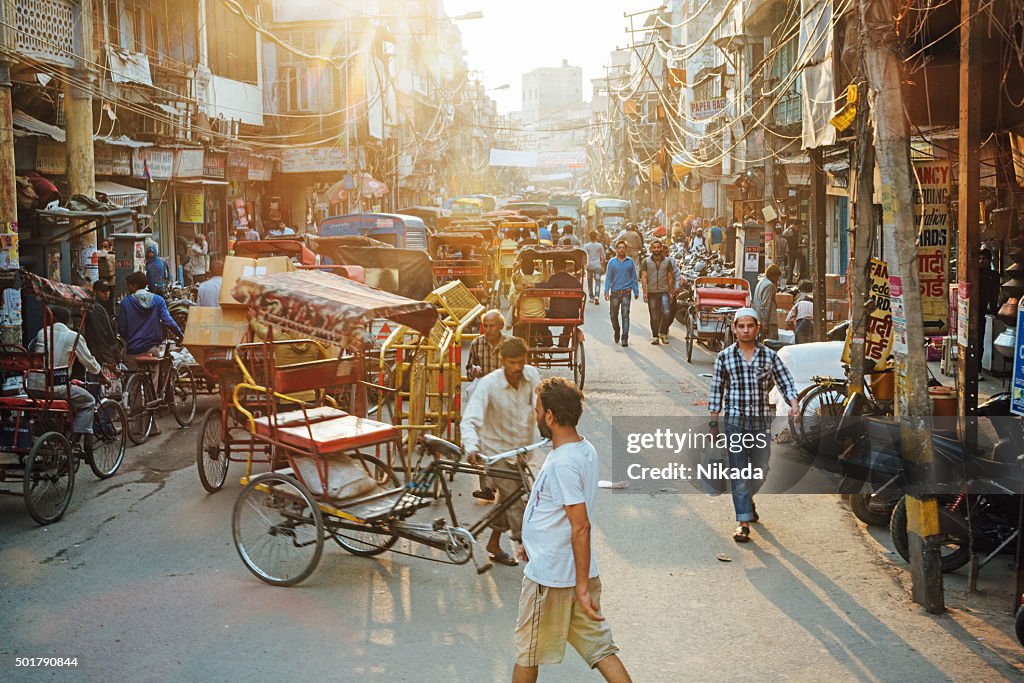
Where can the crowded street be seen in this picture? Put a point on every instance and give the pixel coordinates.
(145, 585)
(465, 340)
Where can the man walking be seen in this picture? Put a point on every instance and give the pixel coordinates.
(561, 597)
(595, 265)
(658, 279)
(743, 375)
(499, 417)
(634, 242)
(619, 280)
(485, 358)
(764, 301)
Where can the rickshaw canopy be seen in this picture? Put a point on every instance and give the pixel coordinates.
(55, 293)
(459, 239)
(575, 255)
(326, 307)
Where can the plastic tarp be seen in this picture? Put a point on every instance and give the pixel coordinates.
(55, 293)
(405, 272)
(816, 77)
(805, 361)
(326, 307)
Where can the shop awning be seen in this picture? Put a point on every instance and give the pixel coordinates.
(33, 126)
(122, 195)
(199, 181)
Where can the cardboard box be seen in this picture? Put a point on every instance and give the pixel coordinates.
(783, 301)
(235, 267)
(106, 266)
(214, 327)
(835, 286)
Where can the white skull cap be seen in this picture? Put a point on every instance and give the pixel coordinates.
(745, 312)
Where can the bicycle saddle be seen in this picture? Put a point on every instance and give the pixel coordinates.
(441, 447)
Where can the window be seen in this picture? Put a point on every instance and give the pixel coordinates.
(232, 41)
(296, 84)
(787, 108)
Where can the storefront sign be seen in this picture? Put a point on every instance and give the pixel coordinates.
(259, 169)
(1017, 388)
(707, 109)
(155, 164)
(313, 159)
(238, 166)
(51, 157)
(931, 205)
(878, 337)
(121, 161)
(963, 313)
(191, 206)
(103, 159)
(215, 164)
(188, 163)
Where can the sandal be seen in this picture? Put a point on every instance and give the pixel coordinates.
(742, 534)
(753, 509)
(484, 494)
(503, 558)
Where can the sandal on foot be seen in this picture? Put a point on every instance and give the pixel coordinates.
(484, 494)
(742, 534)
(503, 558)
(757, 517)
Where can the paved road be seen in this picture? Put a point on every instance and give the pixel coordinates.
(141, 582)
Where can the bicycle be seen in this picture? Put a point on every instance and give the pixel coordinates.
(821, 406)
(175, 389)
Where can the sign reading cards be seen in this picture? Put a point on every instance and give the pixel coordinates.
(931, 208)
(878, 335)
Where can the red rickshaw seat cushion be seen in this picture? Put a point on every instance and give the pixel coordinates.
(28, 403)
(337, 434)
(721, 297)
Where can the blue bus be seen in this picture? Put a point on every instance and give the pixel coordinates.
(401, 231)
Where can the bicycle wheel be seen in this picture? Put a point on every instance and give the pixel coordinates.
(794, 424)
(110, 436)
(181, 395)
(691, 334)
(819, 417)
(278, 529)
(579, 366)
(211, 453)
(49, 478)
(374, 540)
(139, 394)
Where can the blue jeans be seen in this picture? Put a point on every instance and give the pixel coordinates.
(620, 306)
(594, 283)
(658, 305)
(743, 490)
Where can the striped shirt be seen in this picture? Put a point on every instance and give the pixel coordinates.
(744, 386)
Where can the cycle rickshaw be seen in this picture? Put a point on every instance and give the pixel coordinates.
(564, 309)
(709, 319)
(335, 477)
(465, 256)
(36, 444)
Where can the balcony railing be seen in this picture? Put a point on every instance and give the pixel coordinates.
(45, 29)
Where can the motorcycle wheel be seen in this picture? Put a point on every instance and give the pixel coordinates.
(872, 510)
(953, 554)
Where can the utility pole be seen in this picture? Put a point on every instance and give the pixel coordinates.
(10, 333)
(817, 247)
(884, 68)
(864, 215)
(81, 168)
(968, 237)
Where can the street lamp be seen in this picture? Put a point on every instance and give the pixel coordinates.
(469, 16)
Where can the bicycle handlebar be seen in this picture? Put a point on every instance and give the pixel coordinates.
(523, 450)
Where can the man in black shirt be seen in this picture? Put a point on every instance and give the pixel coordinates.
(99, 328)
(563, 307)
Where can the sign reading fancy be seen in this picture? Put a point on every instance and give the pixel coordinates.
(931, 215)
(878, 336)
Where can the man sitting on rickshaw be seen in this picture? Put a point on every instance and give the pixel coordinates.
(526, 277)
(64, 342)
(563, 278)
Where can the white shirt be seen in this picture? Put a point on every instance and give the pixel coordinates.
(568, 477)
(197, 258)
(64, 340)
(208, 294)
(498, 417)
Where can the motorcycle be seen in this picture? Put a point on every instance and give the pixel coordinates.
(179, 300)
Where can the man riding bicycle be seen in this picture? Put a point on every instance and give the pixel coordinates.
(142, 317)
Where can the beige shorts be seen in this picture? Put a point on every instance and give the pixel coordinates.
(549, 618)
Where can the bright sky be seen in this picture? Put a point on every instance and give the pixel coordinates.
(517, 36)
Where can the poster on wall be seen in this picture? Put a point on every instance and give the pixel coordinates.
(191, 206)
(931, 207)
(878, 333)
(9, 246)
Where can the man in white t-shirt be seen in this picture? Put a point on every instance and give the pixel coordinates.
(560, 600)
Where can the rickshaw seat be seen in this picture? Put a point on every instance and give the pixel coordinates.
(292, 418)
(715, 297)
(146, 359)
(29, 403)
(337, 434)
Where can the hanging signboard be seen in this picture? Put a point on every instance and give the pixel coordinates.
(1017, 389)
(51, 157)
(313, 159)
(237, 166)
(103, 158)
(188, 163)
(259, 169)
(215, 164)
(701, 110)
(878, 334)
(931, 206)
(191, 206)
(121, 161)
(155, 164)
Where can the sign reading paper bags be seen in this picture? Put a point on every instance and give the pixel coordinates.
(235, 267)
(878, 335)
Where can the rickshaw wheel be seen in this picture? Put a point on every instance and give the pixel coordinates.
(110, 436)
(368, 543)
(461, 550)
(182, 395)
(691, 333)
(49, 478)
(278, 529)
(211, 453)
(579, 365)
(137, 395)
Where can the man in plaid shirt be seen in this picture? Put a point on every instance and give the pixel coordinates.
(744, 374)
